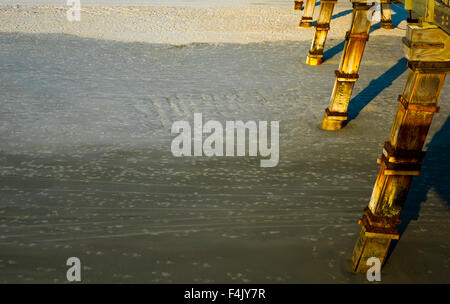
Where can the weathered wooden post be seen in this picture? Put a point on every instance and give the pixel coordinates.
(412, 16)
(307, 17)
(347, 75)
(322, 27)
(386, 18)
(428, 52)
(298, 5)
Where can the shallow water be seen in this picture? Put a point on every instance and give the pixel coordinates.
(86, 168)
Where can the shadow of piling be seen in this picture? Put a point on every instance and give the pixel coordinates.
(375, 87)
(434, 175)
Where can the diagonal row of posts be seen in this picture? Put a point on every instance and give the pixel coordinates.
(427, 48)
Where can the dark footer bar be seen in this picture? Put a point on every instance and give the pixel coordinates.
(211, 293)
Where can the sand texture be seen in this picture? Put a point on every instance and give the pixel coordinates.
(86, 168)
(180, 25)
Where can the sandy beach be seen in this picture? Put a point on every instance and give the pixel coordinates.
(180, 25)
(86, 168)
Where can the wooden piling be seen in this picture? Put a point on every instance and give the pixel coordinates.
(315, 56)
(307, 17)
(347, 75)
(428, 51)
(386, 18)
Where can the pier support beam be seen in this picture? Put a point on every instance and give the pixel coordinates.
(298, 5)
(428, 51)
(347, 75)
(386, 18)
(412, 18)
(322, 27)
(307, 17)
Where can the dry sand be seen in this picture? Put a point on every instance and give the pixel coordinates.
(178, 25)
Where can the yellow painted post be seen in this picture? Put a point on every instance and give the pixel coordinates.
(386, 18)
(347, 75)
(428, 51)
(307, 17)
(322, 27)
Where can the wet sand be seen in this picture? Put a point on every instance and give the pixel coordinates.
(86, 168)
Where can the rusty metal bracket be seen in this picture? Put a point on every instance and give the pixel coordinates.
(323, 26)
(429, 67)
(346, 77)
(336, 115)
(379, 225)
(398, 155)
(401, 162)
(361, 36)
(417, 107)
